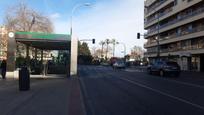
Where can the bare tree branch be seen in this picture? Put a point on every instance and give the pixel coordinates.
(23, 18)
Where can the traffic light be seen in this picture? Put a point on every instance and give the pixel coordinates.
(138, 35)
(93, 41)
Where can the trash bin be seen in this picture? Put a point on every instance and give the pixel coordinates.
(24, 79)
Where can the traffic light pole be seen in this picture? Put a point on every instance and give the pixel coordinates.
(93, 40)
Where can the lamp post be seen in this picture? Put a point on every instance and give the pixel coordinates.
(74, 43)
(72, 13)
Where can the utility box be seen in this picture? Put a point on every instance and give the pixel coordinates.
(24, 79)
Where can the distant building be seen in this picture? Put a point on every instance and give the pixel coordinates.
(178, 25)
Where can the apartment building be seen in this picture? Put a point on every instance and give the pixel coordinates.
(175, 31)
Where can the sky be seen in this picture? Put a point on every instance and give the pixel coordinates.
(103, 19)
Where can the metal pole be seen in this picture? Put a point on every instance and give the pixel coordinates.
(74, 43)
(73, 10)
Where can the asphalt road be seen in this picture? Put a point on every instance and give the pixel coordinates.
(121, 92)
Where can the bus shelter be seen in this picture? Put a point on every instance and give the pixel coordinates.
(39, 41)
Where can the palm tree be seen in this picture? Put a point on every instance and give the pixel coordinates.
(107, 41)
(102, 43)
(114, 42)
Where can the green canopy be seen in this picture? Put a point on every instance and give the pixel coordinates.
(46, 41)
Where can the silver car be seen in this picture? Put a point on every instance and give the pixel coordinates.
(119, 64)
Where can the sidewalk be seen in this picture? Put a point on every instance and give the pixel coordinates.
(46, 97)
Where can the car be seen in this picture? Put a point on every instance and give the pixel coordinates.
(119, 64)
(105, 64)
(164, 68)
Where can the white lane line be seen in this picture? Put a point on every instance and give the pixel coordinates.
(165, 94)
(179, 82)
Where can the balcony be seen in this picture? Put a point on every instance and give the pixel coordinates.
(193, 49)
(176, 37)
(150, 9)
(193, 13)
(159, 16)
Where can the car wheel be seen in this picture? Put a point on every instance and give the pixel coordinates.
(161, 73)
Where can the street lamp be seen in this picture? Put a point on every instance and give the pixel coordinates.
(73, 10)
(74, 43)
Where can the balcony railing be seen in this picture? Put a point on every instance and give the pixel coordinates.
(193, 13)
(155, 6)
(159, 16)
(194, 30)
(192, 47)
(175, 35)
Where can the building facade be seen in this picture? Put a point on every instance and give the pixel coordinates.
(175, 31)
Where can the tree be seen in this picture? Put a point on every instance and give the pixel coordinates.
(22, 18)
(107, 41)
(114, 42)
(102, 43)
(84, 54)
(137, 52)
(84, 49)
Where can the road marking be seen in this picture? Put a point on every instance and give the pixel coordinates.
(171, 80)
(165, 94)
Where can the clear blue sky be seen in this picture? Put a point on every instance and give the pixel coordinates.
(119, 19)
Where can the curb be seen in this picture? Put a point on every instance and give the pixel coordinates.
(76, 102)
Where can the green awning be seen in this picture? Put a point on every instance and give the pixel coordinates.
(42, 36)
(46, 41)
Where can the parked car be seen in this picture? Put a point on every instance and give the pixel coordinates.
(164, 68)
(119, 64)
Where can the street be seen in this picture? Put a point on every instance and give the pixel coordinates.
(124, 92)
